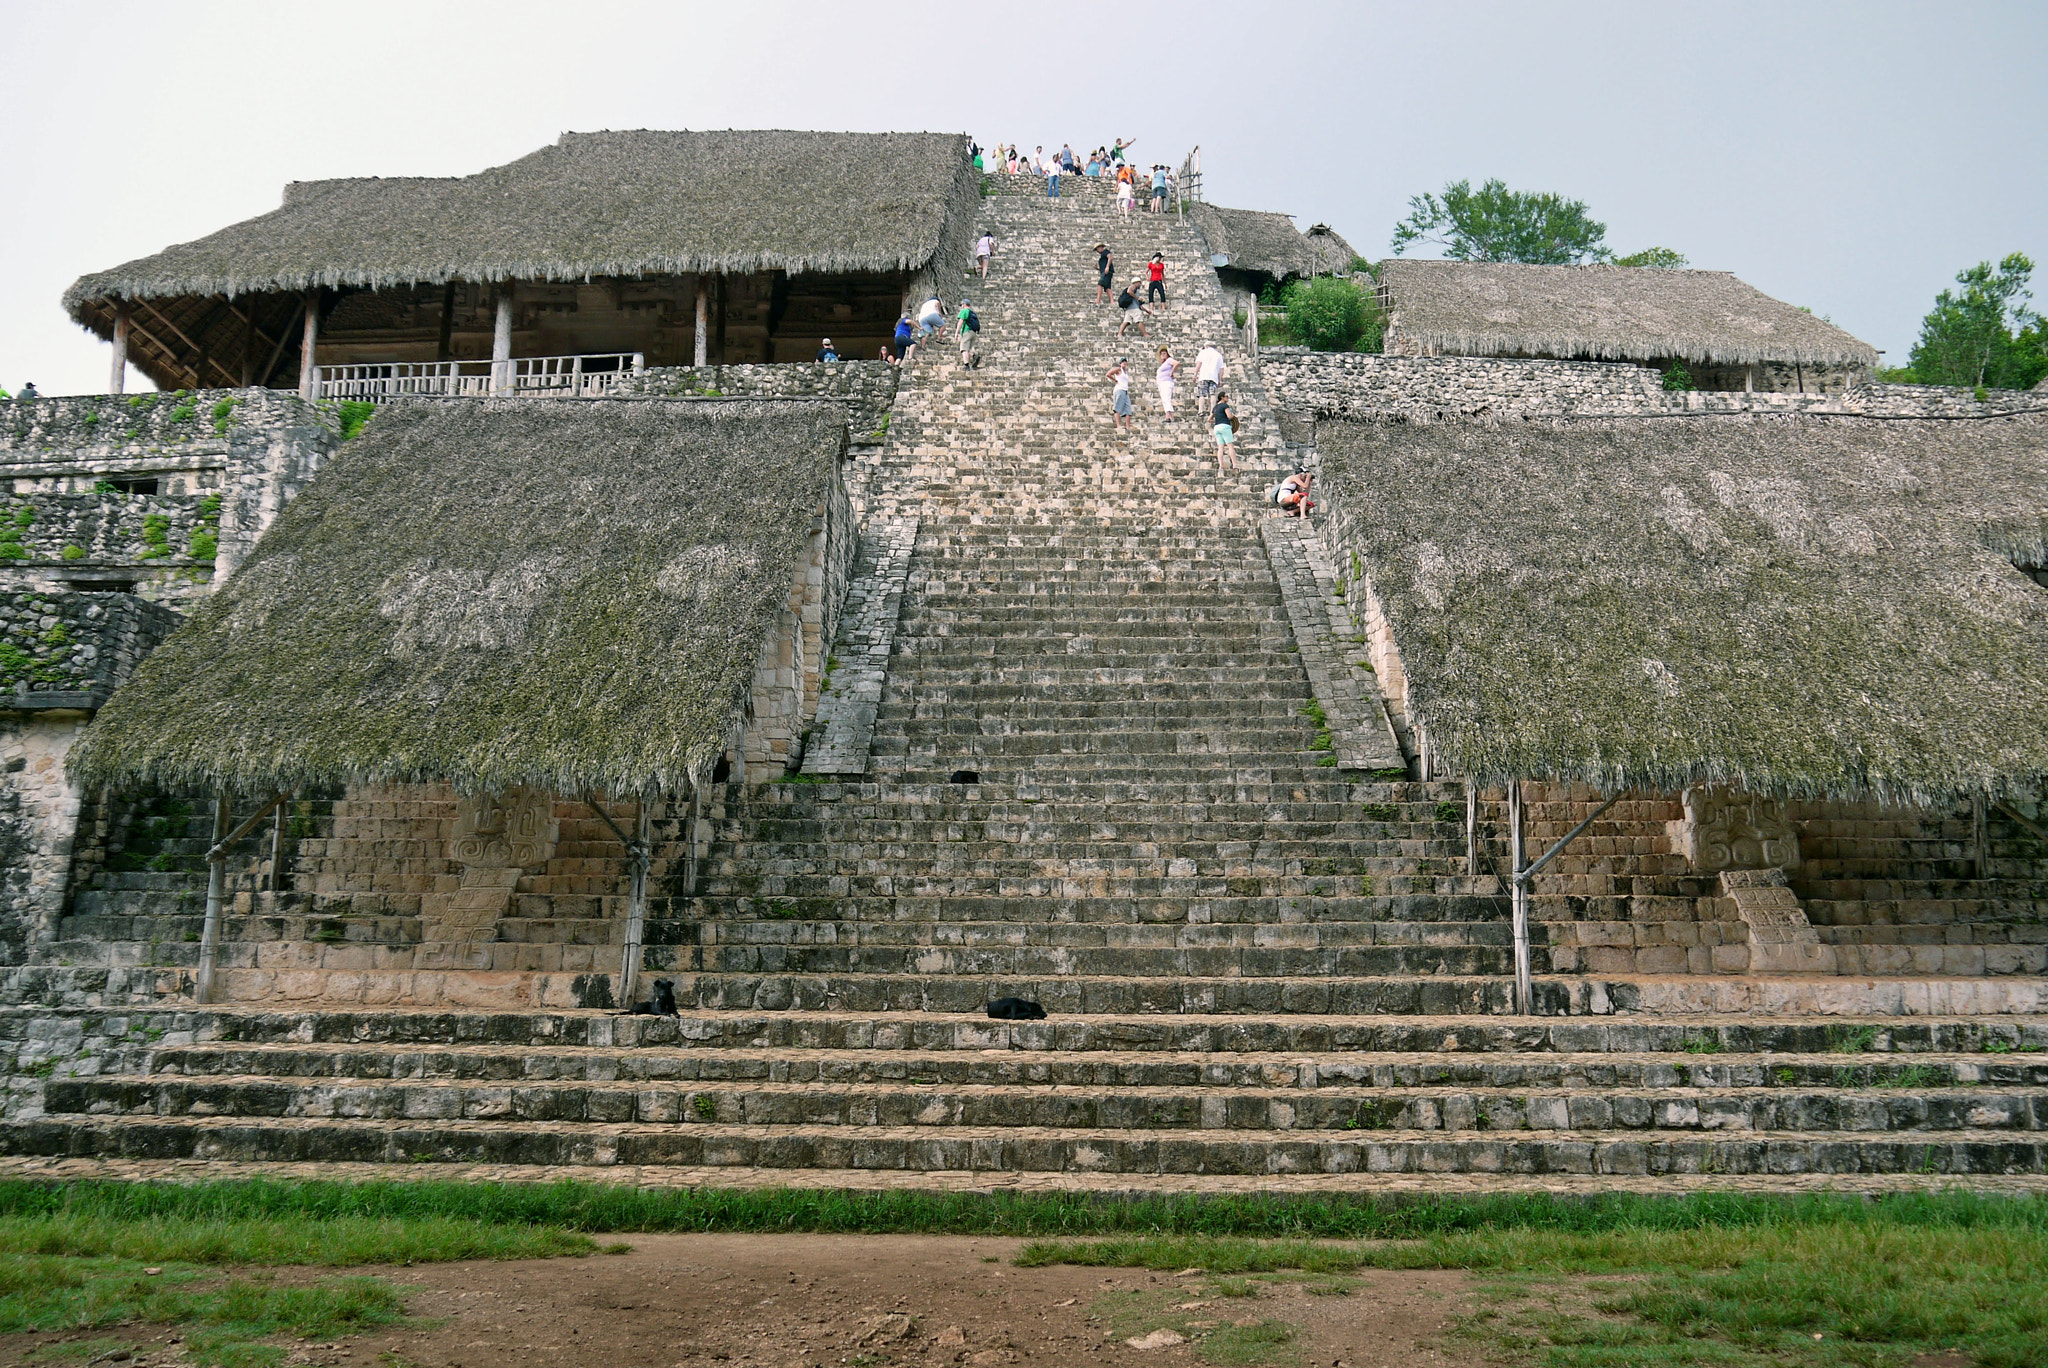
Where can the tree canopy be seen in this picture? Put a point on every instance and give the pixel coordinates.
(1494, 223)
(1983, 334)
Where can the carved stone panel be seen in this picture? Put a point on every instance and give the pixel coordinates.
(1729, 829)
(1781, 940)
(511, 830)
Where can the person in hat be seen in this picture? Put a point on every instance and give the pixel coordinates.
(826, 352)
(1120, 398)
(1105, 272)
(1155, 273)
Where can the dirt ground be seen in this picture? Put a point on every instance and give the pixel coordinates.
(846, 1301)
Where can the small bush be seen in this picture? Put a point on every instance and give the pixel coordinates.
(1677, 378)
(1330, 314)
(74, 553)
(354, 413)
(25, 516)
(205, 544)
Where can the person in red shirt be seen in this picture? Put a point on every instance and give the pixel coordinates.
(1156, 271)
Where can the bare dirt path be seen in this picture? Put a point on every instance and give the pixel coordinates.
(849, 1301)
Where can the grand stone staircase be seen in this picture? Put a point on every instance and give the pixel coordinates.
(1096, 779)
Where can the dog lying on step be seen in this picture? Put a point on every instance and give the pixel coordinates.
(1015, 1009)
(664, 1003)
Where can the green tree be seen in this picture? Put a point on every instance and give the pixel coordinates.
(1494, 223)
(1983, 334)
(1329, 314)
(1662, 257)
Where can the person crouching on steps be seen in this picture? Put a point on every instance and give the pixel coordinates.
(1120, 399)
(1294, 500)
(1134, 311)
(1224, 425)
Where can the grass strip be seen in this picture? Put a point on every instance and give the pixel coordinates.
(603, 1208)
(1826, 1293)
(334, 1242)
(220, 1318)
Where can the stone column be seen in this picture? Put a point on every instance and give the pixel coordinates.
(703, 318)
(501, 344)
(309, 346)
(117, 379)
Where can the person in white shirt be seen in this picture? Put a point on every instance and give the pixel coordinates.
(931, 318)
(983, 250)
(1167, 368)
(1208, 376)
(1120, 398)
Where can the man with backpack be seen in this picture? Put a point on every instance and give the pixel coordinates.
(970, 332)
(1133, 309)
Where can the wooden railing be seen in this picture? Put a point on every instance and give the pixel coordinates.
(544, 377)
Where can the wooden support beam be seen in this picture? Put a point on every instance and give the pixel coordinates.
(168, 356)
(256, 335)
(198, 379)
(446, 350)
(263, 377)
(703, 315)
(309, 345)
(501, 343)
(117, 380)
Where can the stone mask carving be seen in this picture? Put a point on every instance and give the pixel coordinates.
(1728, 829)
(509, 830)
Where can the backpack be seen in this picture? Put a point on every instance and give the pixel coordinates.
(973, 323)
(1273, 495)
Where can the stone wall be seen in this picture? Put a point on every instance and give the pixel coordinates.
(61, 655)
(789, 675)
(81, 645)
(869, 387)
(1307, 385)
(223, 463)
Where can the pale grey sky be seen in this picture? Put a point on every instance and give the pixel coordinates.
(1850, 158)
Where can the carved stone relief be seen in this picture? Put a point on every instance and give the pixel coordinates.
(1781, 940)
(1728, 829)
(497, 836)
(509, 830)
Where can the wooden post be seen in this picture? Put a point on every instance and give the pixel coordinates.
(117, 380)
(276, 844)
(501, 343)
(1471, 827)
(1749, 380)
(642, 853)
(703, 318)
(1524, 988)
(216, 881)
(1978, 841)
(309, 343)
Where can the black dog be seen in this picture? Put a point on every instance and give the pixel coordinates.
(664, 1003)
(1015, 1009)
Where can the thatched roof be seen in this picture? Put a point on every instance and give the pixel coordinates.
(1258, 241)
(593, 204)
(494, 593)
(1604, 313)
(1803, 605)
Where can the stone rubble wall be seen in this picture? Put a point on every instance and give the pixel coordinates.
(75, 643)
(869, 387)
(1307, 385)
(225, 463)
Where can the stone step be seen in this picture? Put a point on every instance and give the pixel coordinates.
(938, 1107)
(1025, 1149)
(1114, 1067)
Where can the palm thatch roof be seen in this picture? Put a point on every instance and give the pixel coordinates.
(494, 593)
(593, 204)
(1257, 241)
(1602, 313)
(1806, 606)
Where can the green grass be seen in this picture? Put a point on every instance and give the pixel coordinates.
(79, 1257)
(600, 1208)
(222, 1317)
(1811, 1282)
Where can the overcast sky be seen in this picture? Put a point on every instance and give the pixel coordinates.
(1849, 158)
